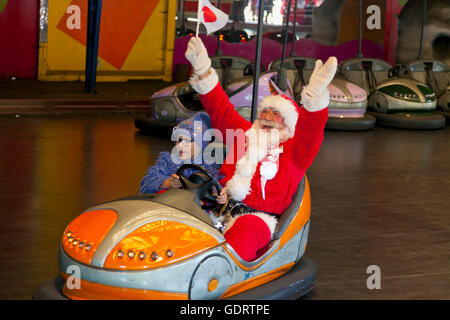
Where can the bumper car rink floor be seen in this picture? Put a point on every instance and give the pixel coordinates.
(379, 197)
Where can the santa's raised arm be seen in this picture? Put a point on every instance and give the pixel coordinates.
(262, 178)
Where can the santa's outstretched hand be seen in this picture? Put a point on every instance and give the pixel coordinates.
(315, 95)
(197, 55)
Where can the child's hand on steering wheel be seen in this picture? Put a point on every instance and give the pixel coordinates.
(175, 181)
(172, 182)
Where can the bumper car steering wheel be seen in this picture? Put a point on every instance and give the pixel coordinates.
(201, 183)
(398, 70)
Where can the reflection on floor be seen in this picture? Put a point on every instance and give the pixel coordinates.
(378, 198)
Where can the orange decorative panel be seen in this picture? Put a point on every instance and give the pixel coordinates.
(96, 291)
(83, 235)
(256, 281)
(157, 244)
(302, 217)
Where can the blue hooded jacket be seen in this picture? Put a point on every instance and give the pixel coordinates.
(165, 166)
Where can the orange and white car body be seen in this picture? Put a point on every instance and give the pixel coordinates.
(145, 249)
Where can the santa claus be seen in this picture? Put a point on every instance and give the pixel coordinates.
(279, 146)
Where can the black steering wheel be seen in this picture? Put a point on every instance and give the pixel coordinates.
(249, 69)
(398, 70)
(200, 183)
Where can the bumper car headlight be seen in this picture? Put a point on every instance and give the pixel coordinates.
(83, 235)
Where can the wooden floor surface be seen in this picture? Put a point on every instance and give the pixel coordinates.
(379, 198)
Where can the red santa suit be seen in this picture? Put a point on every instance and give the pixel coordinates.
(268, 181)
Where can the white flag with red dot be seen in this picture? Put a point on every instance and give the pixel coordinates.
(212, 18)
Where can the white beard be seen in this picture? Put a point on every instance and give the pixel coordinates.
(260, 143)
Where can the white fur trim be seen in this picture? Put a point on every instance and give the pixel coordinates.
(270, 221)
(258, 147)
(313, 104)
(239, 187)
(286, 108)
(246, 169)
(268, 170)
(205, 85)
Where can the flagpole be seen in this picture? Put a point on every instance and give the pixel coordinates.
(198, 18)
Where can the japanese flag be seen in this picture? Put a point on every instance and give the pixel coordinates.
(211, 17)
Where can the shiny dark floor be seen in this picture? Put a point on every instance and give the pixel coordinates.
(378, 198)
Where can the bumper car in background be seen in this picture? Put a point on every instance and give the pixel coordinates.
(395, 99)
(436, 75)
(231, 68)
(165, 246)
(444, 105)
(169, 106)
(348, 102)
(348, 107)
(233, 35)
(178, 102)
(241, 91)
(298, 72)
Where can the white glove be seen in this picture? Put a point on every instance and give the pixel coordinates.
(197, 55)
(321, 77)
(315, 95)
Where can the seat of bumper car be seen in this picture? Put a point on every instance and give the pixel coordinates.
(365, 72)
(188, 97)
(431, 72)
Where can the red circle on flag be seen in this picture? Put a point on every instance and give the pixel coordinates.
(208, 15)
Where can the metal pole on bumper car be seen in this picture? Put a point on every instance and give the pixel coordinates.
(294, 37)
(282, 75)
(359, 54)
(424, 13)
(257, 59)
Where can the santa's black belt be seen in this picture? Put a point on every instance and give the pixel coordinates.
(234, 207)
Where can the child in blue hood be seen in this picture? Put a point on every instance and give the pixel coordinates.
(189, 148)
